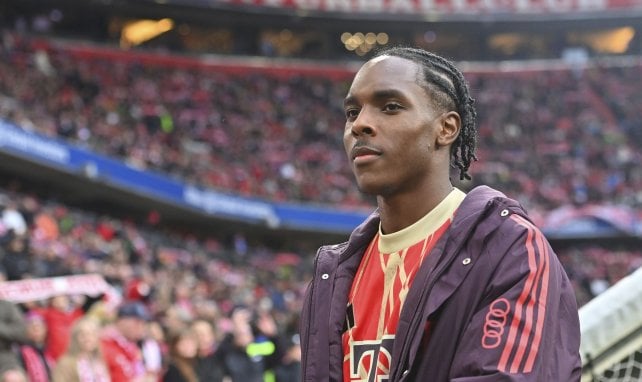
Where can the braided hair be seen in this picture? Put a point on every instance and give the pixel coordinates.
(449, 90)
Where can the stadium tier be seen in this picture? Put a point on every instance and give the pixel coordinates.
(202, 134)
(247, 139)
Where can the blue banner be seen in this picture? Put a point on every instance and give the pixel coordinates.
(63, 156)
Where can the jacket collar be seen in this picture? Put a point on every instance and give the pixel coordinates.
(446, 268)
(476, 201)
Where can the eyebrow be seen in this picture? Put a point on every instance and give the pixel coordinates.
(377, 95)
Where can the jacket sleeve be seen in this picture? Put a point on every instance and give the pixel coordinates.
(12, 324)
(526, 328)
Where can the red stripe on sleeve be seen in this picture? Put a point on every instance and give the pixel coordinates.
(541, 301)
(517, 318)
(535, 311)
(530, 309)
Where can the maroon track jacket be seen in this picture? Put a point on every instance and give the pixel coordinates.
(499, 303)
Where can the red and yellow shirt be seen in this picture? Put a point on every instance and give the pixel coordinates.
(379, 290)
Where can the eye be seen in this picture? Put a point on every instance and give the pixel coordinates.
(392, 106)
(352, 113)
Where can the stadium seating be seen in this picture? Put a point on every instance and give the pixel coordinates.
(279, 137)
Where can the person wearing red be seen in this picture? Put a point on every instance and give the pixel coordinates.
(37, 364)
(436, 284)
(59, 317)
(119, 344)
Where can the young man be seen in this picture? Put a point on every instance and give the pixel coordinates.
(436, 285)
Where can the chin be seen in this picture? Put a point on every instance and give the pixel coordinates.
(373, 189)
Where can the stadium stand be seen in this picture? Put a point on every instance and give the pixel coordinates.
(175, 116)
(43, 238)
(268, 131)
(179, 277)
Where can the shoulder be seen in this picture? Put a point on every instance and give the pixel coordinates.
(518, 253)
(507, 229)
(485, 210)
(328, 256)
(10, 312)
(502, 230)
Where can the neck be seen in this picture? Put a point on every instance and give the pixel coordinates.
(402, 210)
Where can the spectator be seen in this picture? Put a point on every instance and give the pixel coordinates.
(152, 353)
(177, 122)
(60, 314)
(12, 332)
(183, 352)
(209, 365)
(83, 360)
(158, 336)
(119, 344)
(15, 257)
(13, 219)
(37, 363)
(289, 369)
(249, 351)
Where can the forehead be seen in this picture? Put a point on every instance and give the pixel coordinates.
(387, 72)
(35, 322)
(86, 328)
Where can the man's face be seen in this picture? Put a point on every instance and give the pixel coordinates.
(391, 128)
(37, 331)
(132, 328)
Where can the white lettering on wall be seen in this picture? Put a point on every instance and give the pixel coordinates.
(308, 4)
(592, 5)
(405, 6)
(338, 5)
(559, 5)
(48, 149)
(373, 6)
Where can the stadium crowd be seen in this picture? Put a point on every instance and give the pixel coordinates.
(241, 295)
(172, 285)
(277, 136)
(199, 308)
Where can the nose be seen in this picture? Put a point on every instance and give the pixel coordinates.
(363, 124)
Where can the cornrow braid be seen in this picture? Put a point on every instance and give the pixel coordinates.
(450, 90)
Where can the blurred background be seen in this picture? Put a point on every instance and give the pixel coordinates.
(178, 162)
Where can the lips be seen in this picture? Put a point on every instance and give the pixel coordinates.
(364, 151)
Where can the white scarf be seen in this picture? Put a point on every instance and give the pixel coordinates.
(90, 370)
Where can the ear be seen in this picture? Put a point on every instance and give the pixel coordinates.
(449, 131)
